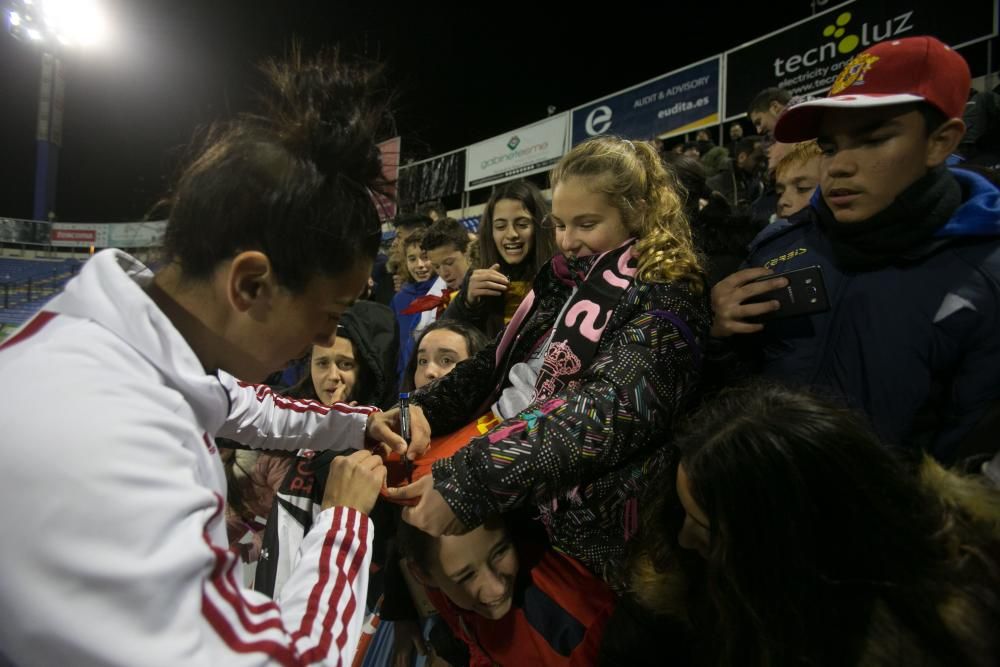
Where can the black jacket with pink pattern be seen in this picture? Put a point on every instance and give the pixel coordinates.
(582, 454)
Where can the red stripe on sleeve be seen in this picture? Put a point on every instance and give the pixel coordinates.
(333, 614)
(223, 581)
(34, 326)
(312, 605)
(283, 655)
(262, 391)
(224, 562)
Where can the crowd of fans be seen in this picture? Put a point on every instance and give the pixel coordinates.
(634, 432)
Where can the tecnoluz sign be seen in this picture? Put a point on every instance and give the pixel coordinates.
(806, 57)
(677, 102)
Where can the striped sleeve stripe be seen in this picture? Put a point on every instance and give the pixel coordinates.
(305, 405)
(275, 650)
(341, 600)
(344, 588)
(320, 597)
(226, 616)
(294, 404)
(242, 634)
(224, 572)
(223, 581)
(247, 627)
(312, 605)
(30, 329)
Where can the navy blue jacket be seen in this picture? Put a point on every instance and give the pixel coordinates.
(915, 345)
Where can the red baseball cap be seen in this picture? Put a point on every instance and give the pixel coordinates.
(915, 69)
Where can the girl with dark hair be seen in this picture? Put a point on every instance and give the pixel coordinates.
(438, 353)
(358, 367)
(818, 545)
(271, 235)
(572, 402)
(513, 247)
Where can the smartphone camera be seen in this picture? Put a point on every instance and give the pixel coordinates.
(805, 294)
(811, 290)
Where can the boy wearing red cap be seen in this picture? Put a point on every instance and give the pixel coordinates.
(909, 250)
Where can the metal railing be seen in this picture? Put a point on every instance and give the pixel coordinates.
(46, 283)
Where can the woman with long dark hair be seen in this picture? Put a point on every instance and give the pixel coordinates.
(513, 246)
(818, 545)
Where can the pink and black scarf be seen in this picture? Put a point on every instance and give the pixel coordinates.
(578, 329)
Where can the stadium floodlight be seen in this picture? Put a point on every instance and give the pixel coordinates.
(70, 23)
(75, 22)
(56, 26)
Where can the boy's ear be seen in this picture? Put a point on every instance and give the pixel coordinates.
(944, 140)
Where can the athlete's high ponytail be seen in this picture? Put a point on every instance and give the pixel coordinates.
(294, 180)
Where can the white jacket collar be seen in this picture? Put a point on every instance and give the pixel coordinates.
(110, 290)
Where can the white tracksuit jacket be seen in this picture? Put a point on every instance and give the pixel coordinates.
(113, 540)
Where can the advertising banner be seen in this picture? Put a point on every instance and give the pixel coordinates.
(806, 57)
(681, 101)
(524, 151)
(79, 235)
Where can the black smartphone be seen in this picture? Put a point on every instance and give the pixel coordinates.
(804, 294)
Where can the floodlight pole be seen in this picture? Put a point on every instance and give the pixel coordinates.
(48, 134)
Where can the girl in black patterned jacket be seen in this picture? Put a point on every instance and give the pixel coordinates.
(578, 396)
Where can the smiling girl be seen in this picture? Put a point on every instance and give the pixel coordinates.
(587, 378)
(513, 247)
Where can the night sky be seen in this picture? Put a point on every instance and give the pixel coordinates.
(464, 74)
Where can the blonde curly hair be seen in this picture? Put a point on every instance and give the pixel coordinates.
(632, 176)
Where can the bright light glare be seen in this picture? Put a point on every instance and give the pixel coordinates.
(15, 19)
(75, 21)
(34, 34)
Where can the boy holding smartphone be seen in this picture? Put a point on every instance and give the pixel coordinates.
(909, 251)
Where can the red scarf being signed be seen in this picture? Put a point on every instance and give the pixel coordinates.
(428, 301)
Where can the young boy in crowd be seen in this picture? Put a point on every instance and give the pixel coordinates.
(441, 251)
(421, 281)
(446, 244)
(396, 265)
(796, 178)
